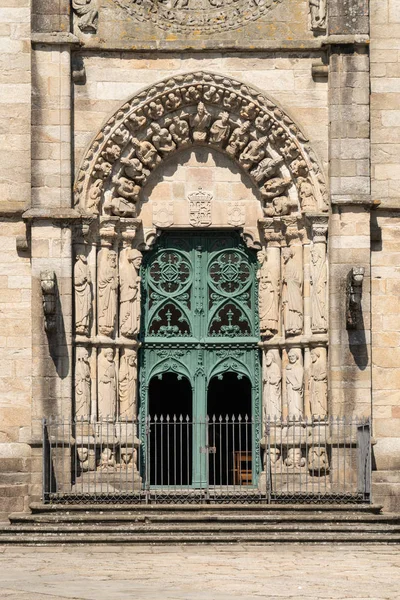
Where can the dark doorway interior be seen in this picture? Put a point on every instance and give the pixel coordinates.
(230, 431)
(170, 414)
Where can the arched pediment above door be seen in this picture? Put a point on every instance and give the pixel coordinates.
(200, 109)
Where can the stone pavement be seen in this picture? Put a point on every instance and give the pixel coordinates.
(318, 572)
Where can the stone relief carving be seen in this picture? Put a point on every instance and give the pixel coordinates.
(295, 459)
(107, 283)
(130, 279)
(87, 459)
(87, 14)
(200, 208)
(318, 462)
(319, 289)
(355, 278)
(128, 385)
(163, 214)
(200, 108)
(295, 384)
(236, 214)
(83, 295)
(272, 385)
(83, 384)
(292, 293)
(268, 295)
(49, 293)
(188, 15)
(107, 384)
(319, 383)
(318, 14)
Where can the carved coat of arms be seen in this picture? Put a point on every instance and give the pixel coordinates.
(236, 214)
(163, 214)
(200, 208)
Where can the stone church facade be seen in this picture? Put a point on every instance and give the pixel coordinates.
(196, 188)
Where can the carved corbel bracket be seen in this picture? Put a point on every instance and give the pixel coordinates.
(273, 233)
(48, 285)
(355, 280)
(108, 231)
(319, 227)
(293, 228)
(129, 229)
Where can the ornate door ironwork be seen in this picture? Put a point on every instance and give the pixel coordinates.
(200, 320)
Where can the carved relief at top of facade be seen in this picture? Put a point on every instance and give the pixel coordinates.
(200, 109)
(190, 15)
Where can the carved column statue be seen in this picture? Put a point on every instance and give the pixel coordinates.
(130, 262)
(128, 385)
(272, 385)
(83, 384)
(319, 383)
(268, 291)
(83, 295)
(107, 384)
(295, 384)
(319, 275)
(292, 292)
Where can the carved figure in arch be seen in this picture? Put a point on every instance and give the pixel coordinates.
(292, 297)
(319, 281)
(155, 110)
(126, 188)
(107, 384)
(119, 207)
(162, 139)
(128, 385)
(102, 169)
(192, 94)
(146, 153)
(180, 132)
(200, 122)
(272, 389)
(107, 291)
(83, 384)
(131, 260)
(318, 384)
(137, 120)
(263, 123)
(239, 139)
(212, 94)
(318, 14)
(94, 196)
(249, 112)
(295, 458)
(294, 384)
(88, 15)
(133, 169)
(230, 100)
(268, 297)
(253, 153)
(306, 194)
(173, 101)
(83, 295)
(267, 168)
(111, 153)
(220, 129)
(121, 135)
(299, 167)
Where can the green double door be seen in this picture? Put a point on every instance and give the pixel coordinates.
(199, 360)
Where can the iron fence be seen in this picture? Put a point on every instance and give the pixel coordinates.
(216, 459)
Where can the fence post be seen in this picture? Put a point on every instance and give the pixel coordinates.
(364, 459)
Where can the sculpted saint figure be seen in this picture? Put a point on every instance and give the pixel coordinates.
(162, 139)
(220, 129)
(107, 291)
(83, 295)
(239, 139)
(180, 132)
(87, 14)
(268, 294)
(107, 384)
(318, 384)
(272, 387)
(255, 151)
(128, 385)
(130, 292)
(294, 385)
(95, 193)
(200, 123)
(306, 193)
(292, 294)
(319, 280)
(146, 153)
(82, 384)
(318, 14)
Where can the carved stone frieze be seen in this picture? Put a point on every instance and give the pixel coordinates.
(200, 108)
(189, 15)
(200, 208)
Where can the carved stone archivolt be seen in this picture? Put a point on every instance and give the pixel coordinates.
(190, 15)
(200, 109)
